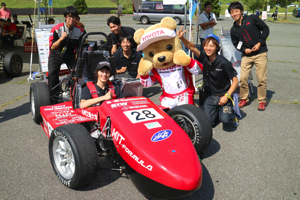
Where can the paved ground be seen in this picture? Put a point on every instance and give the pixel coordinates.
(258, 160)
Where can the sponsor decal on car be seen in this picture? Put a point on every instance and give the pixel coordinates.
(89, 114)
(152, 125)
(119, 139)
(140, 106)
(161, 135)
(115, 105)
(140, 102)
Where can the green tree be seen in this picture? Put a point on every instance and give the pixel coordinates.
(126, 4)
(284, 4)
(118, 2)
(81, 6)
(216, 8)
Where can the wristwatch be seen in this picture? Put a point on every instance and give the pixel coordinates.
(207, 26)
(229, 97)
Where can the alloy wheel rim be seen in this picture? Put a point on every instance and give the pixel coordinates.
(187, 125)
(63, 157)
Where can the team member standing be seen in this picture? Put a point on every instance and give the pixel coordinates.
(4, 12)
(64, 39)
(248, 35)
(218, 73)
(207, 20)
(127, 61)
(117, 30)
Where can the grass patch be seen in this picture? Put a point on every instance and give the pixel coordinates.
(11, 102)
(293, 70)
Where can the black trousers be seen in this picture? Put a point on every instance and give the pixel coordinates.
(54, 64)
(8, 40)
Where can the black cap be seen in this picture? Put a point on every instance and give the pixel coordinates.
(103, 64)
(3, 4)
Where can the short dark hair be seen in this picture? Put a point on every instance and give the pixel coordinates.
(214, 41)
(114, 20)
(14, 15)
(3, 4)
(207, 4)
(128, 37)
(71, 10)
(50, 19)
(235, 5)
(8, 20)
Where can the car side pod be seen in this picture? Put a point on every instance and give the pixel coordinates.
(160, 158)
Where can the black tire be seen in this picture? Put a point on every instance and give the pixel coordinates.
(39, 96)
(145, 20)
(177, 20)
(13, 64)
(73, 155)
(195, 123)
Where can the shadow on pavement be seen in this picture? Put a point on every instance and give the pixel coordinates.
(207, 190)
(103, 177)
(212, 149)
(9, 114)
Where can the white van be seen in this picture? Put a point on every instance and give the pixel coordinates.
(154, 11)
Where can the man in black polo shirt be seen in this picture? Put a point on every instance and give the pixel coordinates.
(117, 30)
(127, 60)
(218, 73)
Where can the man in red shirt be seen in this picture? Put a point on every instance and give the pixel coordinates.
(4, 12)
(9, 34)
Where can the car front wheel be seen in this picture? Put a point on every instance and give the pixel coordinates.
(195, 123)
(39, 96)
(145, 20)
(73, 155)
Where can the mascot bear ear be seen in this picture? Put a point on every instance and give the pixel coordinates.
(137, 35)
(169, 23)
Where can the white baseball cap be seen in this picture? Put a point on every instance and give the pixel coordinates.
(154, 36)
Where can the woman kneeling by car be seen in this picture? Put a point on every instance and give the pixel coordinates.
(105, 89)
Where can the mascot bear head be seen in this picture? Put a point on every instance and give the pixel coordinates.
(161, 47)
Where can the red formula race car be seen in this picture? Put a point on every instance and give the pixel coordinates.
(156, 147)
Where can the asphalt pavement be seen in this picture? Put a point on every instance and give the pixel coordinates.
(258, 160)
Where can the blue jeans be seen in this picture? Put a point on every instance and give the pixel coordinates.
(216, 113)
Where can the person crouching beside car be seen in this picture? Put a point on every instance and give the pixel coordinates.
(218, 73)
(105, 89)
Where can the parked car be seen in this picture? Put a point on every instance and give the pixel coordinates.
(296, 12)
(154, 11)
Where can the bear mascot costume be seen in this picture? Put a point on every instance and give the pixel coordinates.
(165, 61)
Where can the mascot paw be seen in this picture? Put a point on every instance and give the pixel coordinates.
(145, 67)
(181, 58)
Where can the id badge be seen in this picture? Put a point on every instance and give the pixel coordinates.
(239, 46)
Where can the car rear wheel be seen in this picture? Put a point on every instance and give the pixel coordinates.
(195, 123)
(145, 20)
(177, 20)
(13, 64)
(73, 155)
(39, 96)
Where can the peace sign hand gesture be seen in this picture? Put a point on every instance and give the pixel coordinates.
(180, 33)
